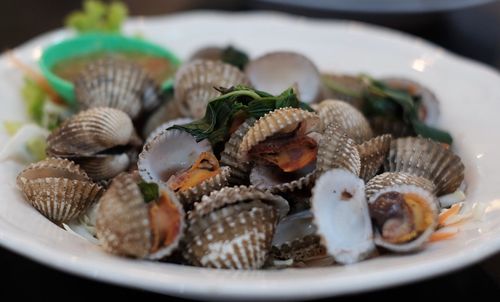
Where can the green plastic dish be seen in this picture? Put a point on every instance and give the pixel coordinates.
(89, 43)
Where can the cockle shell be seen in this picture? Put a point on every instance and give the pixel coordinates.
(230, 155)
(395, 127)
(195, 82)
(353, 84)
(233, 228)
(125, 224)
(277, 71)
(342, 217)
(104, 166)
(165, 126)
(398, 223)
(167, 111)
(372, 154)
(90, 132)
(388, 179)
(58, 188)
(428, 159)
(119, 84)
(348, 119)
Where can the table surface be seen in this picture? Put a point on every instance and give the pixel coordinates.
(473, 33)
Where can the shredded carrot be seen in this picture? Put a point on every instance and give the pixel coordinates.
(440, 236)
(36, 77)
(449, 213)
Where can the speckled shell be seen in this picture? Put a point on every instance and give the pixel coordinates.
(230, 156)
(170, 150)
(388, 179)
(336, 150)
(118, 84)
(233, 228)
(165, 126)
(58, 188)
(90, 132)
(428, 159)
(303, 249)
(348, 119)
(195, 82)
(104, 166)
(123, 223)
(275, 122)
(372, 154)
(419, 242)
(194, 194)
(168, 111)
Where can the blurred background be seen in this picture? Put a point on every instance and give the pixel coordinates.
(470, 28)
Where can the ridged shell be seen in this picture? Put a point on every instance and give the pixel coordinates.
(303, 249)
(419, 242)
(388, 179)
(118, 84)
(268, 178)
(372, 154)
(168, 111)
(230, 156)
(165, 126)
(276, 71)
(58, 188)
(336, 150)
(123, 219)
(234, 237)
(348, 119)
(90, 132)
(104, 166)
(195, 82)
(428, 159)
(194, 194)
(170, 151)
(383, 125)
(342, 217)
(345, 82)
(274, 122)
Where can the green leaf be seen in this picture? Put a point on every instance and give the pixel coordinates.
(430, 132)
(235, 57)
(97, 16)
(36, 147)
(149, 190)
(34, 98)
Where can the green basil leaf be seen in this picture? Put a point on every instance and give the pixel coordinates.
(235, 57)
(149, 190)
(430, 132)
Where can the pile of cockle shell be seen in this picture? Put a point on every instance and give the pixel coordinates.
(294, 186)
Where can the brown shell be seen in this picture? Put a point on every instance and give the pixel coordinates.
(262, 179)
(351, 83)
(123, 219)
(348, 119)
(428, 159)
(168, 111)
(230, 156)
(303, 249)
(195, 82)
(389, 179)
(383, 125)
(119, 84)
(58, 188)
(336, 150)
(90, 132)
(372, 154)
(192, 195)
(104, 166)
(283, 119)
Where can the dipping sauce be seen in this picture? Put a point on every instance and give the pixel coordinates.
(159, 68)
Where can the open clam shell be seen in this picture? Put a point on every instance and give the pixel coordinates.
(164, 126)
(195, 82)
(428, 159)
(404, 216)
(167, 111)
(278, 71)
(127, 225)
(119, 84)
(388, 179)
(58, 188)
(90, 132)
(341, 216)
(372, 154)
(348, 119)
(233, 228)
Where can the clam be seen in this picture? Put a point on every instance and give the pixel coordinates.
(296, 238)
(233, 228)
(119, 84)
(164, 126)
(348, 119)
(58, 188)
(372, 154)
(167, 112)
(195, 82)
(429, 159)
(278, 71)
(404, 217)
(344, 87)
(187, 167)
(127, 225)
(393, 126)
(389, 179)
(341, 216)
(99, 139)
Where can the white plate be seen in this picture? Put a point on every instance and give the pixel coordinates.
(469, 93)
